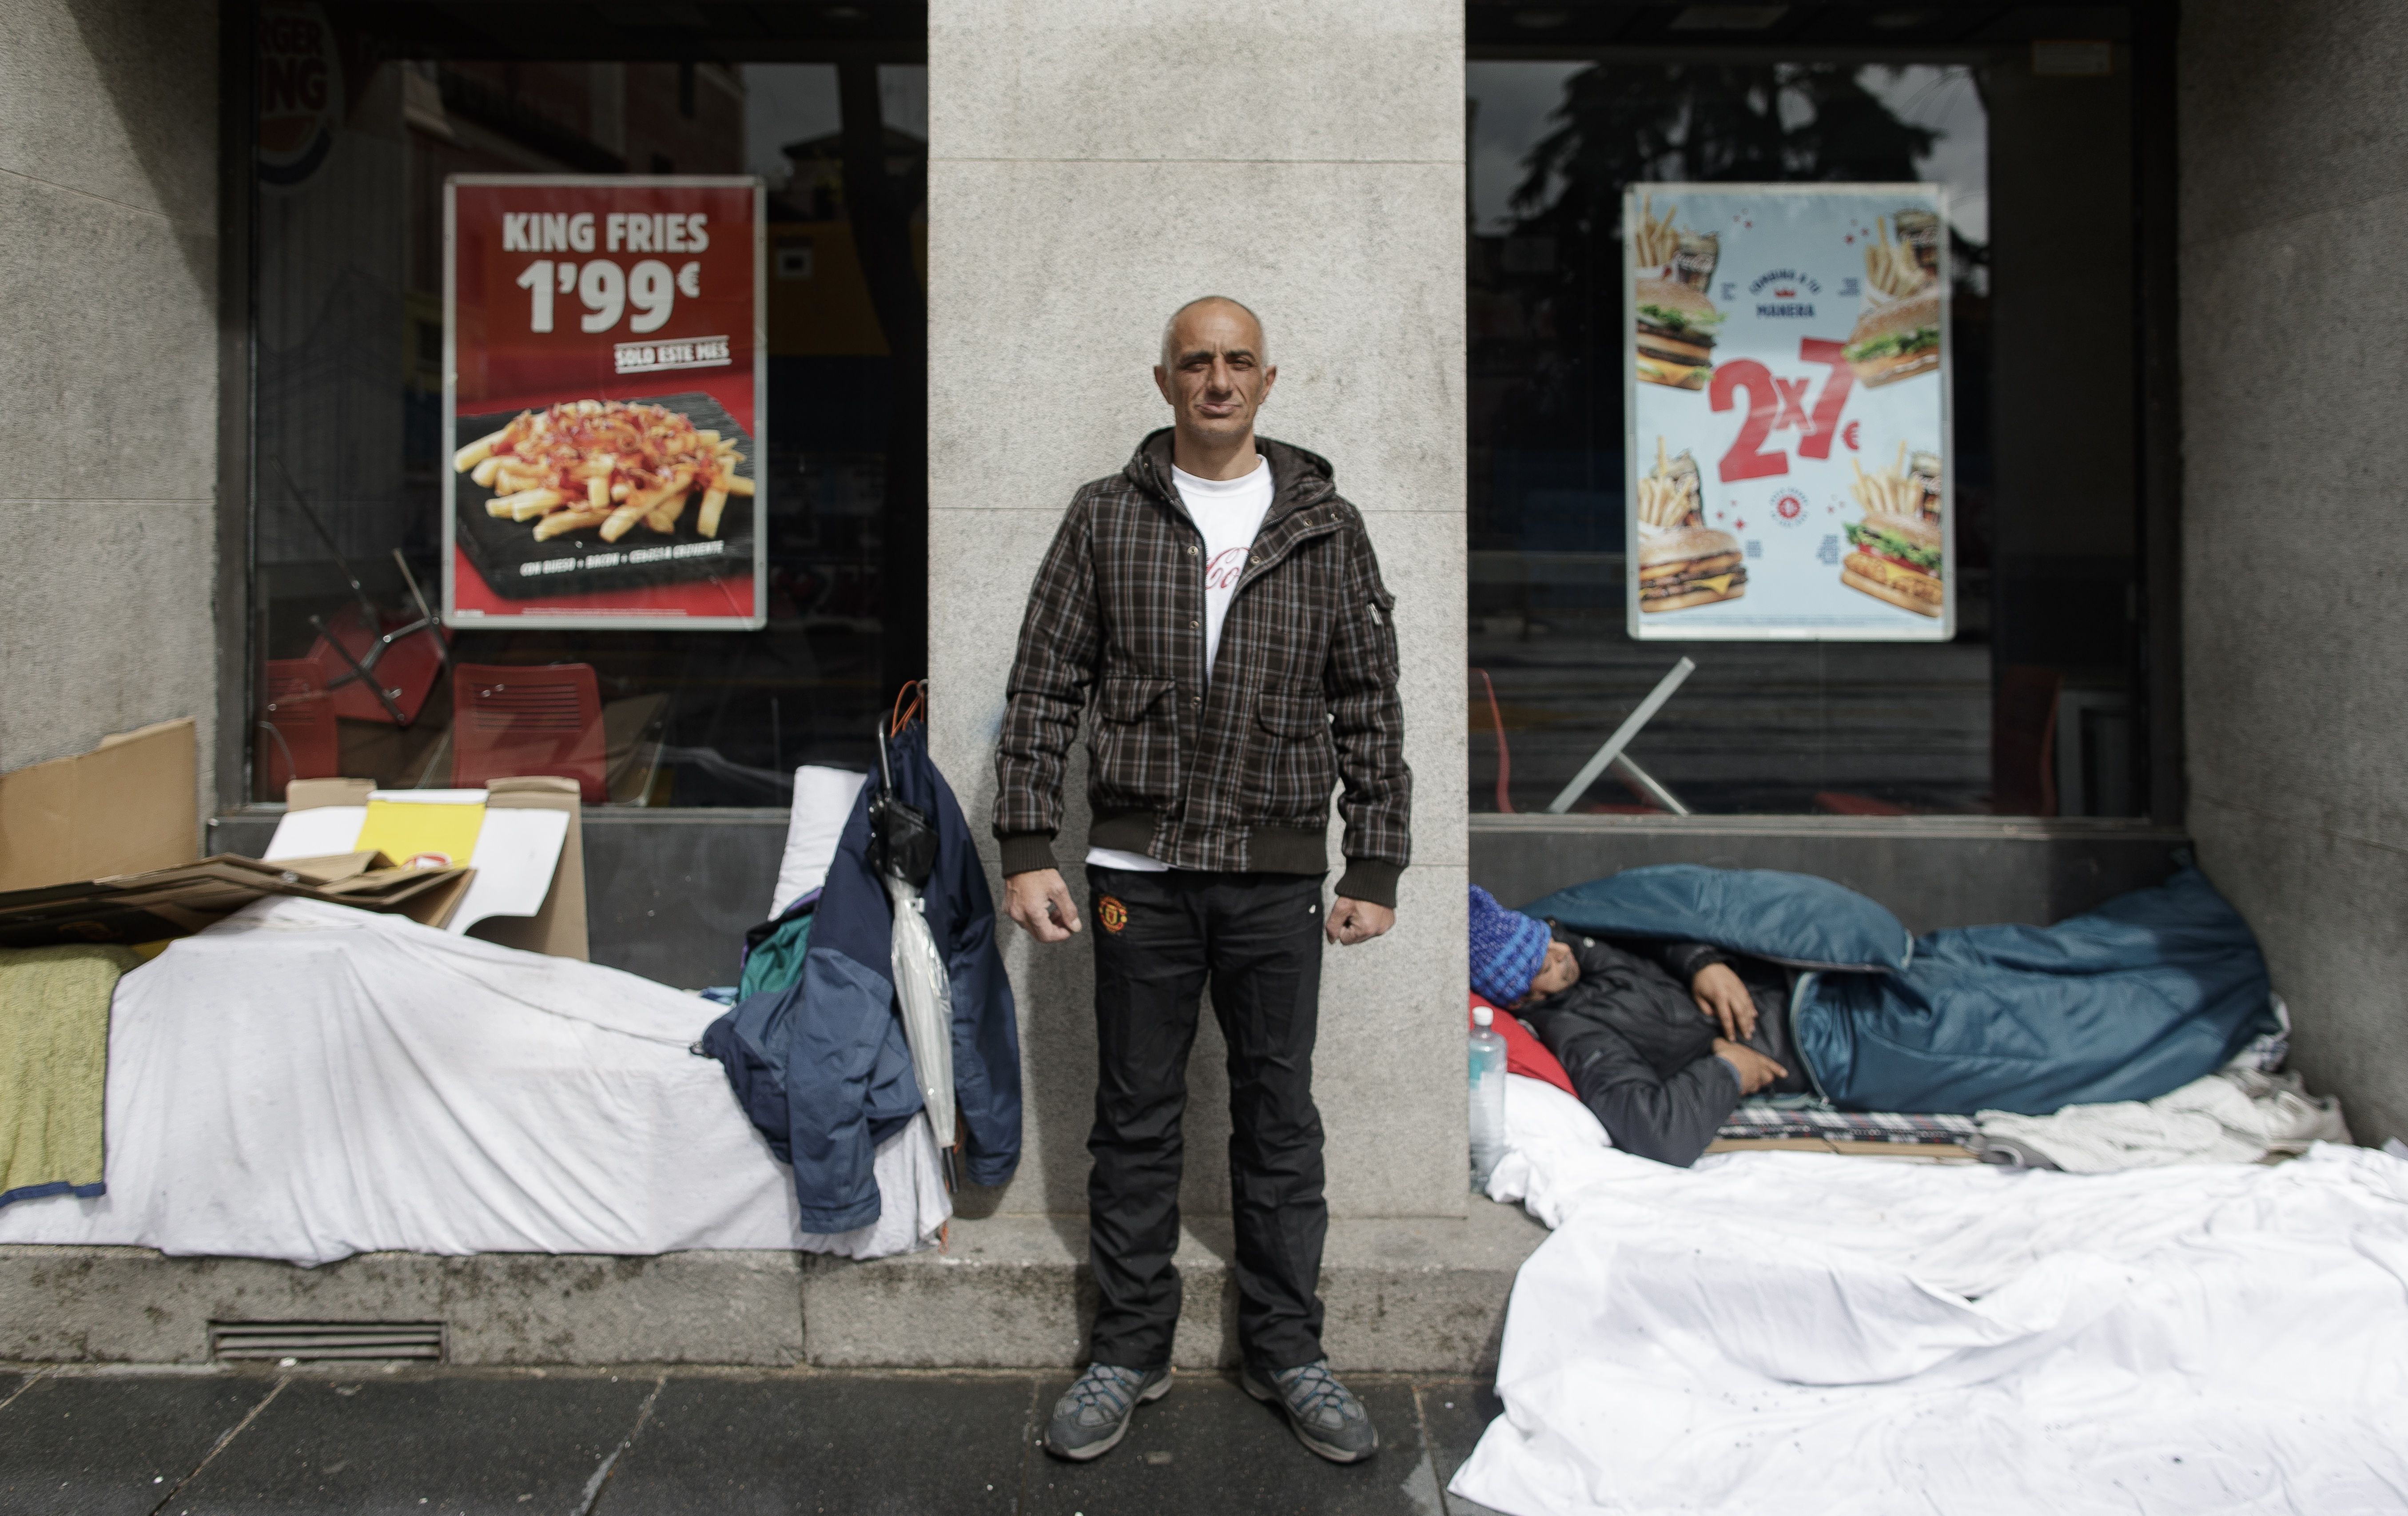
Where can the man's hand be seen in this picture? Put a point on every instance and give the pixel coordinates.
(1756, 1070)
(1042, 904)
(1357, 921)
(1724, 998)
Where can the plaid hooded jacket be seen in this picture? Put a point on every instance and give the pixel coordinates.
(1303, 696)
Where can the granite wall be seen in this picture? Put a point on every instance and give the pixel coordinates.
(2294, 122)
(1093, 164)
(108, 270)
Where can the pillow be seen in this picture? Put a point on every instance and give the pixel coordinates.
(1546, 1132)
(823, 800)
(1536, 1113)
(1792, 919)
(1523, 1053)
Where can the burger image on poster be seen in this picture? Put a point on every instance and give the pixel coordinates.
(1896, 335)
(1676, 323)
(1676, 334)
(1895, 341)
(1897, 559)
(1681, 561)
(1895, 551)
(1689, 565)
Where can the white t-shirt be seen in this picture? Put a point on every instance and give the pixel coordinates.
(1229, 513)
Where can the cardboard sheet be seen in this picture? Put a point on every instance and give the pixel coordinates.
(315, 832)
(559, 928)
(517, 853)
(131, 909)
(127, 807)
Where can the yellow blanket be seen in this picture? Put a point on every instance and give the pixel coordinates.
(54, 1066)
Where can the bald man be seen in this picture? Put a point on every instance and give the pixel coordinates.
(1216, 611)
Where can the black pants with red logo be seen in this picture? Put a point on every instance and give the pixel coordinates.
(1158, 938)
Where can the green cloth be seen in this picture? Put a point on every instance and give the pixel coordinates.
(778, 962)
(54, 1066)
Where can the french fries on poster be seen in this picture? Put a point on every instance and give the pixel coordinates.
(605, 385)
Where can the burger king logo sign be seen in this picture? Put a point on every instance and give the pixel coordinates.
(300, 90)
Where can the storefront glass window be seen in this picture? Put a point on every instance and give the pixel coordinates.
(2029, 707)
(359, 123)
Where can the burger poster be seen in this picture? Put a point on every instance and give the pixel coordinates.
(604, 374)
(1786, 407)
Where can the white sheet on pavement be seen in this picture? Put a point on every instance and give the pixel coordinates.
(305, 1081)
(1786, 1332)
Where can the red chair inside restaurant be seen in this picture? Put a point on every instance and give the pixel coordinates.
(296, 719)
(407, 670)
(508, 720)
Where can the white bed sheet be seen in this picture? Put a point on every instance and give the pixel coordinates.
(1797, 1332)
(305, 1081)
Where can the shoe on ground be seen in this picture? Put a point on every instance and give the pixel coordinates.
(1327, 1416)
(1092, 1417)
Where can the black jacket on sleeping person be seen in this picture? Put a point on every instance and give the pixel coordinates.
(1641, 1053)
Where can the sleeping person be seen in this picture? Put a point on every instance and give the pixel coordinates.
(1661, 1039)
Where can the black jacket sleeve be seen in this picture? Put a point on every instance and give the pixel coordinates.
(1682, 960)
(1669, 1120)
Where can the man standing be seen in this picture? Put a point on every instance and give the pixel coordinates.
(1223, 606)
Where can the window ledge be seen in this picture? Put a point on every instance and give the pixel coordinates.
(2006, 829)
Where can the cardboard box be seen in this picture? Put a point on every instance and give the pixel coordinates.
(557, 929)
(127, 807)
(177, 902)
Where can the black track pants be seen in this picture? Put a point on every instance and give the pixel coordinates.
(1157, 938)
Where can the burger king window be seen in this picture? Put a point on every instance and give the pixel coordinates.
(1759, 462)
(762, 611)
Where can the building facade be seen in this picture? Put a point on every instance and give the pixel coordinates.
(219, 226)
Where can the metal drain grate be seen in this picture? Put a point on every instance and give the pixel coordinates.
(308, 1341)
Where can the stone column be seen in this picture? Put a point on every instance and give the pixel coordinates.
(1092, 165)
(2294, 208)
(109, 269)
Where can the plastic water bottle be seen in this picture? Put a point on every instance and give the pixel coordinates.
(1487, 1098)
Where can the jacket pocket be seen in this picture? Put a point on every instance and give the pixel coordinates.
(1133, 743)
(1291, 764)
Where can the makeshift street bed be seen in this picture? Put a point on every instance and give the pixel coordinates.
(1799, 1332)
(305, 1081)
(292, 1078)
(2176, 1324)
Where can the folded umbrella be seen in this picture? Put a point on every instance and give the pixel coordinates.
(903, 850)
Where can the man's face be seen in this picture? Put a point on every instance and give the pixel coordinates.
(1560, 972)
(1217, 379)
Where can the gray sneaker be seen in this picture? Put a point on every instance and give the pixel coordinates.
(1327, 1416)
(1092, 1417)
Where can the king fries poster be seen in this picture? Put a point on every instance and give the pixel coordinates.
(605, 368)
(1787, 403)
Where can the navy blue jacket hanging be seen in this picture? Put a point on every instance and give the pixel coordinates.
(822, 1067)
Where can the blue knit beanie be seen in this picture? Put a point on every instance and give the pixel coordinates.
(1507, 949)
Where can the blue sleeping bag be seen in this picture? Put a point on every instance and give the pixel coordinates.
(1799, 920)
(2143, 995)
(2150, 990)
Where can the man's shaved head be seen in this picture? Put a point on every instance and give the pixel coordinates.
(1215, 376)
(1170, 328)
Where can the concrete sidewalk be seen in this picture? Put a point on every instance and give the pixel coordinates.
(426, 1441)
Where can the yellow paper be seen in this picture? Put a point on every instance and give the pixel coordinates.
(403, 830)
